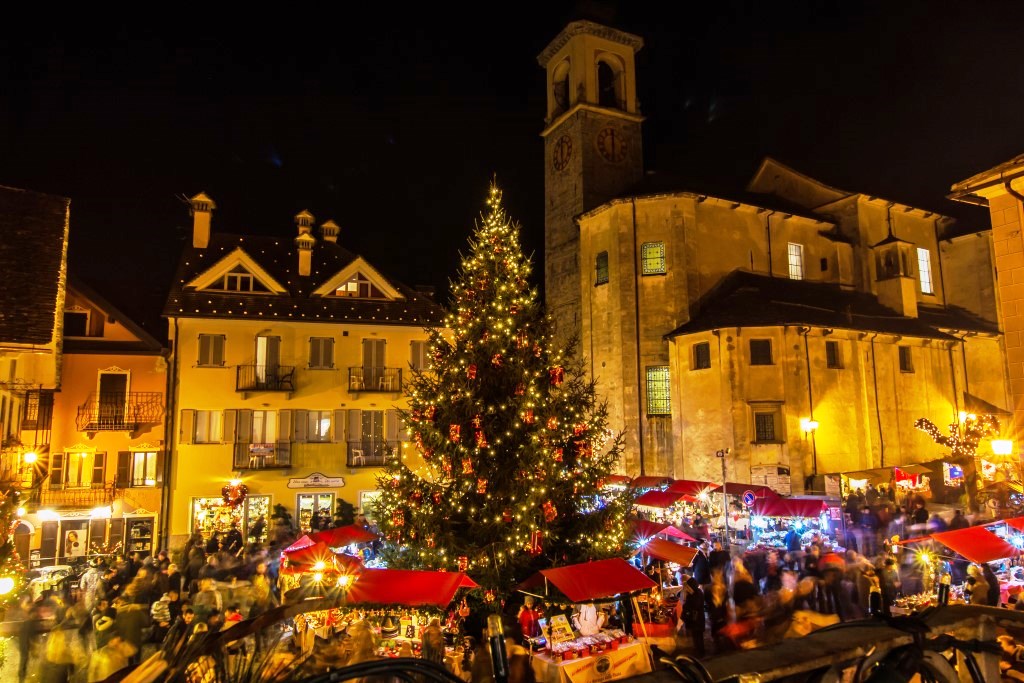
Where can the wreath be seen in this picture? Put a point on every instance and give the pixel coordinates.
(234, 494)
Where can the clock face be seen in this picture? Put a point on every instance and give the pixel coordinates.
(561, 152)
(611, 144)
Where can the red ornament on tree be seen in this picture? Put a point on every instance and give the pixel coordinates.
(535, 547)
(398, 518)
(463, 563)
(559, 454)
(447, 469)
(578, 429)
(481, 439)
(520, 389)
(521, 340)
(528, 417)
(436, 498)
(552, 423)
(537, 350)
(513, 308)
(481, 486)
(428, 453)
(583, 448)
(471, 372)
(467, 466)
(477, 421)
(550, 511)
(430, 412)
(556, 375)
(430, 541)
(497, 360)
(454, 433)
(506, 516)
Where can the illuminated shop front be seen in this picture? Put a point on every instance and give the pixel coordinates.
(212, 514)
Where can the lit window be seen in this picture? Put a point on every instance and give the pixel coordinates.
(321, 352)
(833, 355)
(796, 261)
(602, 268)
(653, 257)
(211, 350)
(318, 425)
(359, 287)
(208, 426)
(144, 468)
(906, 359)
(761, 352)
(701, 356)
(764, 427)
(924, 267)
(658, 396)
(264, 426)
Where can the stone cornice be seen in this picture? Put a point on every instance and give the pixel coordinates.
(580, 27)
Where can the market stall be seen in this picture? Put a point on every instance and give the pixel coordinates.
(772, 517)
(691, 487)
(581, 650)
(643, 529)
(658, 607)
(644, 483)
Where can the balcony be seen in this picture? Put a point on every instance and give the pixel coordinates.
(76, 495)
(265, 378)
(119, 412)
(370, 452)
(262, 456)
(385, 380)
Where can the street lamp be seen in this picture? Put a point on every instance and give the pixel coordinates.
(725, 499)
(1002, 446)
(809, 425)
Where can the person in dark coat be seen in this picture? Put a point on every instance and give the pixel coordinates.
(994, 595)
(233, 540)
(701, 567)
(693, 613)
(958, 521)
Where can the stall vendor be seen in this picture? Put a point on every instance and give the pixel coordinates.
(589, 620)
(529, 618)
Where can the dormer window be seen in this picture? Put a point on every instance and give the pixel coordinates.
(360, 288)
(238, 279)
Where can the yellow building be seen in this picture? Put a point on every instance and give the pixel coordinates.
(802, 327)
(289, 360)
(98, 487)
(1001, 190)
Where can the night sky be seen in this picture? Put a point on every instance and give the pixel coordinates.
(392, 121)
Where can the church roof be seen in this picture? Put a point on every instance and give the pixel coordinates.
(33, 250)
(278, 258)
(745, 299)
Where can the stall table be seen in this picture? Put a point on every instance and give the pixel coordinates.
(629, 659)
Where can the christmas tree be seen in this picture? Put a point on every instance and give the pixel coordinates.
(12, 571)
(510, 447)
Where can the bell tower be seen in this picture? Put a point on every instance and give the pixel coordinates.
(592, 149)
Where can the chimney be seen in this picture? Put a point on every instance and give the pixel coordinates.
(305, 242)
(329, 230)
(202, 213)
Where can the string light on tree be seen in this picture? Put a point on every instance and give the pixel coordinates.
(512, 439)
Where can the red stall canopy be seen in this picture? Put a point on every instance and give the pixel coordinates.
(645, 528)
(407, 587)
(649, 482)
(789, 507)
(976, 543)
(344, 535)
(310, 554)
(661, 549)
(348, 564)
(736, 489)
(659, 499)
(302, 542)
(1015, 522)
(592, 580)
(690, 487)
(617, 479)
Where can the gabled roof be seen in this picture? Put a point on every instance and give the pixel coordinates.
(1008, 169)
(745, 299)
(33, 253)
(145, 343)
(237, 259)
(277, 257)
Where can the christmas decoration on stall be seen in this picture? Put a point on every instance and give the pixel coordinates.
(513, 439)
(12, 571)
(234, 493)
(964, 436)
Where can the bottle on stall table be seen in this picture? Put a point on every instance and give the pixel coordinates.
(875, 601)
(944, 589)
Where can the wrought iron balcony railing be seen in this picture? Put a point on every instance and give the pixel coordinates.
(370, 452)
(262, 456)
(375, 379)
(120, 412)
(58, 494)
(265, 378)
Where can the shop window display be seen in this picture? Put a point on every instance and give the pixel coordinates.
(211, 515)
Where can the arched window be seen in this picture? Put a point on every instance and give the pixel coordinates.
(560, 86)
(608, 86)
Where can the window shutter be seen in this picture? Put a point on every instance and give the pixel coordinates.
(230, 426)
(124, 470)
(205, 350)
(116, 531)
(355, 424)
(327, 353)
(187, 428)
(243, 432)
(160, 456)
(391, 426)
(97, 531)
(56, 470)
(339, 426)
(48, 543)
(99, 461)
(284, 424)
(300, 426)
(218, 349)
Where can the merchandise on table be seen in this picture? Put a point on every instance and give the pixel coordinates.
(585, 646)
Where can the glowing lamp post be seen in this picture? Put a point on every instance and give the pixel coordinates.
(725, 498)
(809, 425)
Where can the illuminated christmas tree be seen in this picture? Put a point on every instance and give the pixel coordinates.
(962, 442)
(509, 446)
(12, 571)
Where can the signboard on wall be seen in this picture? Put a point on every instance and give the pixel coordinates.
(316, 481)
(775, 477)
(833, 485)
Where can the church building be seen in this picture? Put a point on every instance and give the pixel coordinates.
(803, 327)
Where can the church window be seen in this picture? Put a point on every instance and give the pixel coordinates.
(652, 256)
(658, 396)
(761, 352)
(765, 423)
(906, 359)
(608, 86)
(924, 269)
(602, 268)
(795, 253)
(701, 356)
(833, 355)
(560, 87)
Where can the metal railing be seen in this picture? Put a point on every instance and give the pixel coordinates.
(370, 452)
(120, 412)
(375, 379)
(262, 456)
(76, 495)
(265, 378)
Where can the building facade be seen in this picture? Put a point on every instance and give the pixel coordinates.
(289, 361)
(798, 325)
